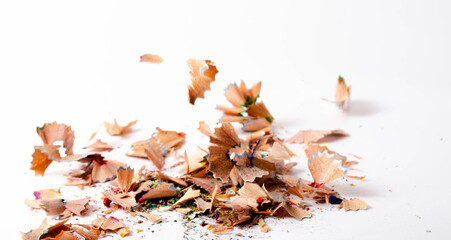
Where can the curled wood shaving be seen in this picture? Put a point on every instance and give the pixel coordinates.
(43, 156)
(52, 132)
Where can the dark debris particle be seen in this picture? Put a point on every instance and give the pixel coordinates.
(334, 200)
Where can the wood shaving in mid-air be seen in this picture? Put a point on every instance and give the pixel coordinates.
(203, 73)
(342, 93)
(151, 58)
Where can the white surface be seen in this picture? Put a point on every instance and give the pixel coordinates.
(78, 63)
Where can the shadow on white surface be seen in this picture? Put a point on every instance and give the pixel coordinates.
(362, 108)
(331, 138)
(348, 191)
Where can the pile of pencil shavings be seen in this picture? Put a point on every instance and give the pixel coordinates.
(230, 179)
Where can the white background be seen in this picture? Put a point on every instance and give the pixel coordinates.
(78, 63)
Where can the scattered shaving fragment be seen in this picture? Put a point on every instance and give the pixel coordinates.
(151, 58)
(314, 149)
(207, 183)
(64, 235)
(313, 136)
(190, 194)
(58, 206)
(40, 162)
(219, 229)
(205, 129)
(258, 134)
(280, 152)
(94, 133)
(354, 204)
(111, 223)
(152, 217)
(116, 130)
(355, 177)
(202, 205)
(263, 227)
(296, 211)
(86, 231)
(44, 155)
(77, 206)
(202, 74)
(249, 195)
(47, 194)
(105, 170)
(123, 232)
(155, 190)
(99, 146)
(158, 146)
(35, 234)
(213, 197)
